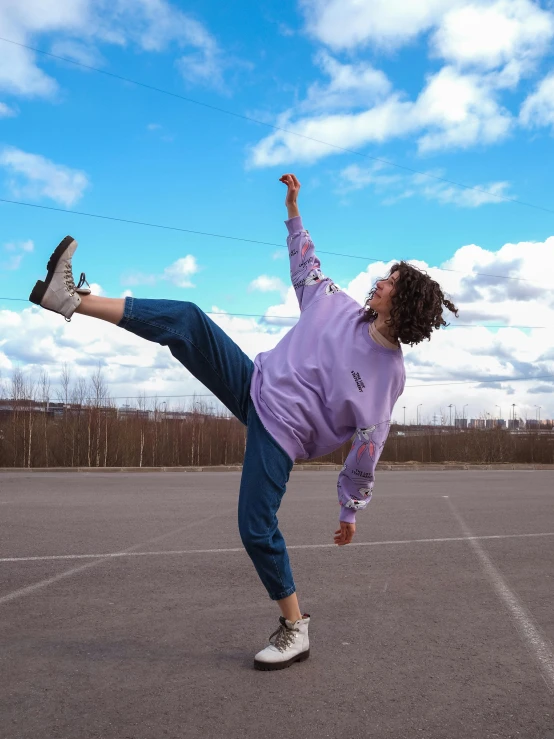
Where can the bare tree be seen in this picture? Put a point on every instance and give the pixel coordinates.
(44, 394)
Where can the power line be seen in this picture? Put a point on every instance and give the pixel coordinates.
(263, 315)
(152, 225)
(484, 382)
(427, 384)
(270, 125)
(239, 238)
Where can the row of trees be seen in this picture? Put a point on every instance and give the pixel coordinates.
(81, 426)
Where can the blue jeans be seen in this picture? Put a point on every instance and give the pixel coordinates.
(214, 359)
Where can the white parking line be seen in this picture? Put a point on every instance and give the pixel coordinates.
(131, 553)
(98, 560)
(529, 631)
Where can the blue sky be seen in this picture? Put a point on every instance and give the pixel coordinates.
(463, 91)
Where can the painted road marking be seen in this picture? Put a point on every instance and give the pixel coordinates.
(529, 631)
(228, 550)
(99, 559)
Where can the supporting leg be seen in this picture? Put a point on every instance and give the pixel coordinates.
(290, 608)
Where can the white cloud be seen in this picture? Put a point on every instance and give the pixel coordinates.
(454, 110)
(138, 278)
(36, 339)
(538, 108)
(399, 186)
(79, 52)
(465, 198)
(19, 74)
(32, 175)
(16, 250)
(12, 263)
(308, 139)
(81, 25)
(350, 85)
(6, 111)
(25, 246)
(494, 34)
(346, 24)
(96, 289)
(180, 272)
(489, 47)
(355, 177)
(266, 284)
(458, 110)
(204, 66)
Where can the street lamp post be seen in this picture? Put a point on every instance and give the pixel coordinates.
(417, 412)
(513, 416)
(539, 411)
(404, 414)
(450, 406)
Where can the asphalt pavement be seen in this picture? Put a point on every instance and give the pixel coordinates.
(129, 610)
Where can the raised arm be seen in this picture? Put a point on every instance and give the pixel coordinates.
(305, 275)
(293, 188)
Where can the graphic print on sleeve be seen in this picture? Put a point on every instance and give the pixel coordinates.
(356, 479)
(305, 269)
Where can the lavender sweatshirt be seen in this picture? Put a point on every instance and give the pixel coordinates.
(327, 379)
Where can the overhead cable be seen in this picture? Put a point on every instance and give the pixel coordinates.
(291, 318)
(248, 241)
(160, 396)
(270, 125)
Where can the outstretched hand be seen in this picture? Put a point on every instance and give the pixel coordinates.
(345, 534)
(293, 188)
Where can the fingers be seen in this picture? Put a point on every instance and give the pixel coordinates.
(340, 538)
(290, 180)
(344, 535)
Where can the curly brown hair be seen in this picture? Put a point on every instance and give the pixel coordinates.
(417, 305)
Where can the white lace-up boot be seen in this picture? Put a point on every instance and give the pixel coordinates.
(58, 292)
(290, 643)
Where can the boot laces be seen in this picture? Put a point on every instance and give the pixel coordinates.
(284, 637)
(70, 282)
(82, 281)
(68, 279)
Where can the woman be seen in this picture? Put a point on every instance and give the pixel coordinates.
(336, 374)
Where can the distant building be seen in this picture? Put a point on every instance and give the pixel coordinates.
(127, 411)
(460, 423)
(477, 423)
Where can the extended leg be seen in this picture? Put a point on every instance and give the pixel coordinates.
(192, 337)
(107, 309)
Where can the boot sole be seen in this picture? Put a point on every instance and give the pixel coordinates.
(270, 666)
(41, 287)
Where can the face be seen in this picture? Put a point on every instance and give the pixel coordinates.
(381, 302)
